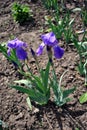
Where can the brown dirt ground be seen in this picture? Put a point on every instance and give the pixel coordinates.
(14, 111)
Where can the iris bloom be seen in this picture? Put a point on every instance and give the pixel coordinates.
(18, 46)
(50, 40)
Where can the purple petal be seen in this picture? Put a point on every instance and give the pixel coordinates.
(58, 52)
(20, 44)
(9, 51)
(16, 43)
(39, 51)
(21, 53)
(49, 39)
(11, 44)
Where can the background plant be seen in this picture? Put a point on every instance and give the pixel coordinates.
(84, 13)
(50, 4)
(21, 13)
(84, 16)
(82, 51)
(62, 26)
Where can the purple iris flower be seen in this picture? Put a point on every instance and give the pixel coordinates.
(19, 48)
(50, 40)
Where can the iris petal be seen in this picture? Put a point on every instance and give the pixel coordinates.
(58, 52)
(20, 44)
(39, 51)
(16, 43)
(21, 53)
(11, 44)
(49, 39)
(9, 51)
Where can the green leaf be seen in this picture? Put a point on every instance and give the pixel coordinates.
(12, 57)
(68, 99)
(70, 23)
(25, 82)
(76, 9)
(3, 50)
(30, 92)
(29, 103)
(68, 91)
(38, 84)
(39, 98)
(83, 98)
(33, 94)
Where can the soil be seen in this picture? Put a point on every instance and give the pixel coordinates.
(14, 111)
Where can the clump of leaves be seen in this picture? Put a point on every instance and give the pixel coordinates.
(84, 16)
(21, 13)
(82, 51)
(50, 4)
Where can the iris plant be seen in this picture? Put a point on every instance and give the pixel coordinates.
(38, 86)
(50, 40)
(18, 46)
